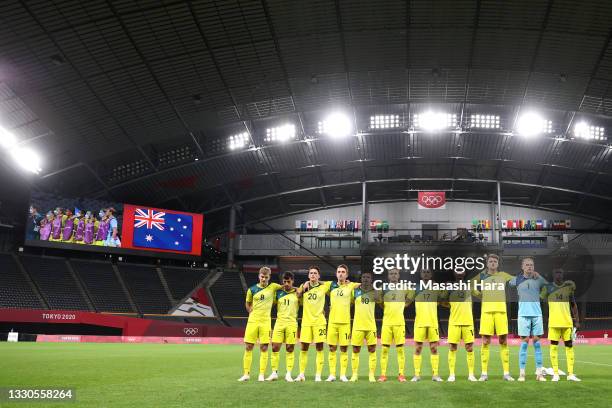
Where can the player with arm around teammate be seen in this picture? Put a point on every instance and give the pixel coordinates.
(364, 325)
(339, 324)
(560, 297)
(425, 326)
(393, 330)
(460, 327)
(314, 324)
(259, 301)
(493, 315)
(286, 326)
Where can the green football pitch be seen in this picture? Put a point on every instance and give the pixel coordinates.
(155, 375)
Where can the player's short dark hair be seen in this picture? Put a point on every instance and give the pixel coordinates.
(367, 273)
(494, 256)
(288, 275)
(343, 266)
(314, 267)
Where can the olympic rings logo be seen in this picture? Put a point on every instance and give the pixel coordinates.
(431, 200)
(191, 331)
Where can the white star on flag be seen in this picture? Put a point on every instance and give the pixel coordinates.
(149, 238)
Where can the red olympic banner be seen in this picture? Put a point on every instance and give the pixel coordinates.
(429, 200)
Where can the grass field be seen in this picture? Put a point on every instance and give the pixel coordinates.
(152, 375)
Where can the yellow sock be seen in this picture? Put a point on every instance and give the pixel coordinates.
(246, 361)
(484, 358)
(331, 359)
(416, 359)
(343, 363)
(355, 364)
(263, 361)
(554, 358)
(320, 360)
(401, 359)
(452, 359)
(384, 360)
(505, 357)
(274, 361)
(435, 363)
(372, 362)
(470, 362)
(569, 356)
(290, 360)
(303, 361)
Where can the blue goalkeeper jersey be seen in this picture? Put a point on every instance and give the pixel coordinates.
(529, 294)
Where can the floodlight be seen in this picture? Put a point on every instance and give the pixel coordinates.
(532, 124)
(239, 140)
(7, 139)
(432, 121)
(384, 121)
(27, 158)
(281, 133)
(485, 121)
(584, 130)
(336, 125)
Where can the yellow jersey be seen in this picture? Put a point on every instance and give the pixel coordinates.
(340, 299)
(287, 305)
(262, 299)
(559, 298)
(460, 308)
(425, 306)
(493, 300)
(313, 304)
(365, 304)
(394, 302)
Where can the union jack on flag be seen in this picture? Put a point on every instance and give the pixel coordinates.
(149, 218)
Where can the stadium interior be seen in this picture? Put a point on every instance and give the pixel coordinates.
(306, 133)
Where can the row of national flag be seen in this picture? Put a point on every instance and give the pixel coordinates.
(535, 225)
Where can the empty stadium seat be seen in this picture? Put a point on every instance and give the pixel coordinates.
(104, 289)
(15, 291)
(145, 287)
(228, 295)
(55, 282)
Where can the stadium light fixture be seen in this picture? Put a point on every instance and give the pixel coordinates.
(281, 133)
(238, 141)
(27, 158)
(336, 125)
(7, 139)
(485, 121)
(584, 130)
(433, 121)
(384, 121)
(532, 124)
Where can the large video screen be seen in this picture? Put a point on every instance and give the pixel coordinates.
(104, 226)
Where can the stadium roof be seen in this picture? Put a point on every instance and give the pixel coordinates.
(137, 100)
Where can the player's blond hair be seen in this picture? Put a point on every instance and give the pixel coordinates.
(526, 258)
(265, 270)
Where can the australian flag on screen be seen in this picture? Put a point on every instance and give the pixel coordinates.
(161, 230)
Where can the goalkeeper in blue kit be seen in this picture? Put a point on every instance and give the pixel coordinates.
(530, 323)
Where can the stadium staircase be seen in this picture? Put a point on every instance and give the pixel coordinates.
(180, 282)
(145, 287)
(228, 292)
